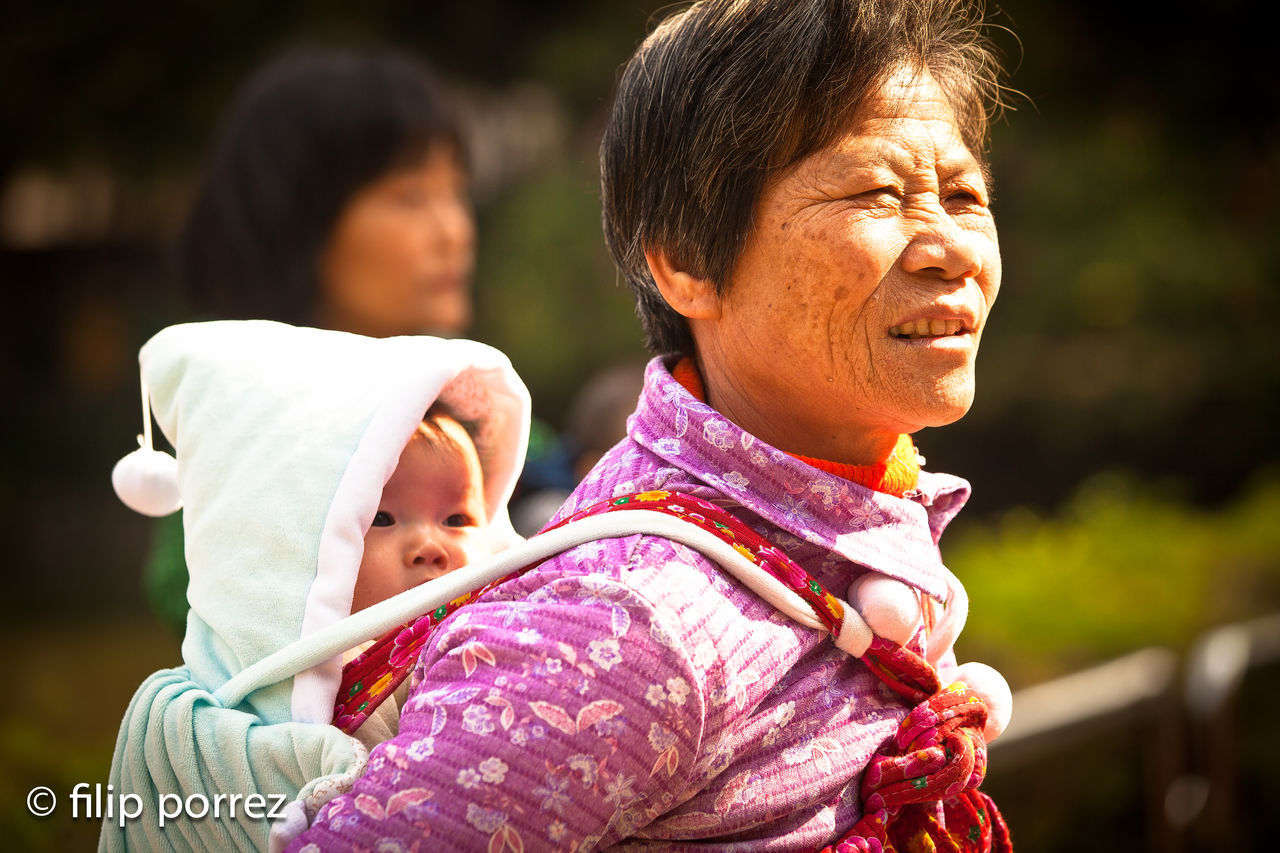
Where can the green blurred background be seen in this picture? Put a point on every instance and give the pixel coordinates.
(1122, 447)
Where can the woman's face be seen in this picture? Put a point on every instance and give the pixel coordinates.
(400, 256)
(855, 309)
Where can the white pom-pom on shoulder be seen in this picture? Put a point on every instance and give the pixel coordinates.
(990, 685)
(890, 608)
(146, 481)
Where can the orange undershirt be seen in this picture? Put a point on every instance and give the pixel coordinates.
(895, 476)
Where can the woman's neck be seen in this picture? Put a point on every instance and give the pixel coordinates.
(894, 467)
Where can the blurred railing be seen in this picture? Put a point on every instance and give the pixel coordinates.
(1149, 752)
(1222, 798)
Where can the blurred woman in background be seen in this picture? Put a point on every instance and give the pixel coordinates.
(336, 196)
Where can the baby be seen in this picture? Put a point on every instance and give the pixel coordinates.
(313, 487)
(431, 518)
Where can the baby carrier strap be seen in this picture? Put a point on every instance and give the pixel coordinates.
(920, 791)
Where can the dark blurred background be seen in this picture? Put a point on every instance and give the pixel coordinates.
(1122, 447)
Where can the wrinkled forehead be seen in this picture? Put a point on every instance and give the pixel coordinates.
(907, 93)
(906, 125)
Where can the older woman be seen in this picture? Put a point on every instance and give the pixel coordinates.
(795, 190)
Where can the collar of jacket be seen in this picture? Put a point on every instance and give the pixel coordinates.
(895, 536)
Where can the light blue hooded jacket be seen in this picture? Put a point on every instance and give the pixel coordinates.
(284, 439)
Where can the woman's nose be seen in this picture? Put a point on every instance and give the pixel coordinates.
(945, 250)
(452, 224)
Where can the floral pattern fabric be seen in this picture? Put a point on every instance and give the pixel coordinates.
(628, 694)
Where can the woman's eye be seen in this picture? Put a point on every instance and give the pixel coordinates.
(966, 197)
(887, 196)
(383, 519)
(411, 197)
(459, 519)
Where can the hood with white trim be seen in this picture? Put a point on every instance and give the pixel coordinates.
(284, 439)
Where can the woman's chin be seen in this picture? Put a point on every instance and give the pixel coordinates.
(949, 418)
(944, 406)
(447, 316)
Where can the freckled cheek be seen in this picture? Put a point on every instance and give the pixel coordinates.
(991, 287)
(791, 266)
(992, 268)
(858, 307)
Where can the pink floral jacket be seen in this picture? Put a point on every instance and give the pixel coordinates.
(629, 695)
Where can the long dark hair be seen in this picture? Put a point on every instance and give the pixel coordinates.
(304, 134)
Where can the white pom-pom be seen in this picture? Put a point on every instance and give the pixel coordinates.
(990, 685)
(146, 481)
(889, 607)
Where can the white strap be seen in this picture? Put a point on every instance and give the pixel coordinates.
(376, 620)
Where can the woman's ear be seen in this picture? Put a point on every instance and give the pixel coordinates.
(692, 297)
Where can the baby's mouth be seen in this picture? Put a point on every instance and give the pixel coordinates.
(914, 329)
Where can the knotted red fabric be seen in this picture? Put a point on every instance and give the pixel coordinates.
(920, 791)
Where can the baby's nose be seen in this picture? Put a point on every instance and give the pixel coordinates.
(430, 554)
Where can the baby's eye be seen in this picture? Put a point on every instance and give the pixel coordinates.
(459, 519)
(383, 519)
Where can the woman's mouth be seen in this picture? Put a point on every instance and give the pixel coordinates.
(915, 329)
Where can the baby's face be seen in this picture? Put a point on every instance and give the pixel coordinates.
(431, 519)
